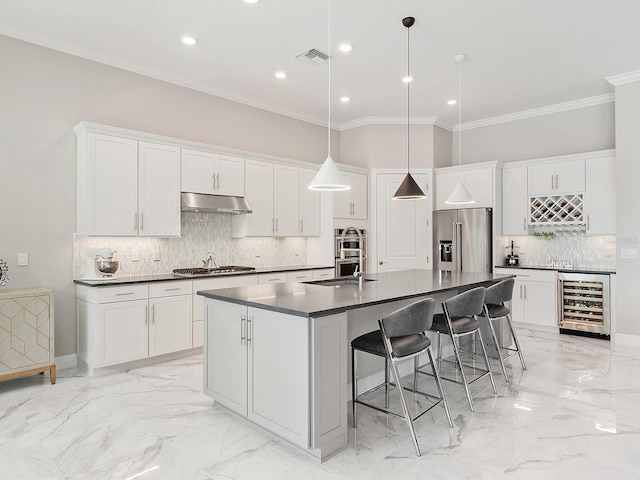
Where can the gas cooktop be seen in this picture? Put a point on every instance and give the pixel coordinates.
(201, 271)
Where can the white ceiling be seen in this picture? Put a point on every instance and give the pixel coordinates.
(521, 54)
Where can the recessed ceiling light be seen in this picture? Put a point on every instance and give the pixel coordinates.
(280, 75)
(407, 79)
(251, 1)
(345, 47)
(345, 99)
(453, 101)
(189, 40)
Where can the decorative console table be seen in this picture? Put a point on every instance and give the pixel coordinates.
(26, 333)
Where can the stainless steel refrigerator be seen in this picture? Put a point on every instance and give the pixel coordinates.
(462, 240)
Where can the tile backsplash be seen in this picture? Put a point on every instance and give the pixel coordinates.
(201, 232)
(582, 251)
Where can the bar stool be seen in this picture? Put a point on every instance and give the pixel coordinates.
(401, 336)
(459, 320)
(495, 309)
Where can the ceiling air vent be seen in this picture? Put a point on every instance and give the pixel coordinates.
(314, 57)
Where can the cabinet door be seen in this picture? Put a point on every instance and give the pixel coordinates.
(197, 170)
(285, 201)
(517, 302)
(170, 329)
(112, 185)
(540, 179)
(309, 205)
(259, 196)
(359, 198)
(226, 354)
(600, 196)
(514, 201)
(230, 179)
(540, 303)
(123, 334)
(278, 387)
(479, 184)
(342, 204)
(570, 176)
(299, 276)
(159, 190)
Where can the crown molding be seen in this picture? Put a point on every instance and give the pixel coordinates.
(623, 78)
(362, 122)
(538, 112)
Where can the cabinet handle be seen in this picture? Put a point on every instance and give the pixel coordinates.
(243, 319)
(276, 225)
(556, 181)
(274, 279)
(301, 226)
(273, 225)
(153, 314)
(135, 221)
(217, 181)
(380, 262)
(524, 224)
(141, 221)
(249, 319)
(520, 292)
(125, 293)
(213, 181)
(172, 289)
(146, 315)
(587, 222)
(551, 182)
(525, 292)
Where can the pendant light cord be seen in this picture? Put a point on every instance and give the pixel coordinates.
(329, 90)
(408, 103)
(460, 112)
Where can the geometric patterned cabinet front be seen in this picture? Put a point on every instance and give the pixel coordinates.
(26, 333)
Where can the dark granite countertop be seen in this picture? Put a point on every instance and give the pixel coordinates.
(595, 271)
(164, 277)
(309, 300)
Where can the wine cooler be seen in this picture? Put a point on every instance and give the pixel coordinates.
(583, 303)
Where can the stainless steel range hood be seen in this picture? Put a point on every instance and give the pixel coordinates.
(199, 202)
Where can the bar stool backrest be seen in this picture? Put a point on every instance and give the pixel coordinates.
(500, 292)
(415, 318)
(466, 304)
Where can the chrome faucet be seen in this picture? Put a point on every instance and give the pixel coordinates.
(210, 259)
(358, 272)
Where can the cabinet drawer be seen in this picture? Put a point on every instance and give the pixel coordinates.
(122, 293)
(167, 289)
(231, 281)
(323, 274)
(272, 278)
(299, 276)
(530, 275)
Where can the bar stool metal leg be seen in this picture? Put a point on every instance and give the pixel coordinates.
(497, 345)
(354, 387)
(486, 362)
(515, 340)
(436, 374)
(405, 410)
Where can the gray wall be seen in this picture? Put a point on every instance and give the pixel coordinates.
(628, 225)
(44, 94)
(574, 131)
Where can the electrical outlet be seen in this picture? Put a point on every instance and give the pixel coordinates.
(23, 259)
(135, 256)
(156, 254)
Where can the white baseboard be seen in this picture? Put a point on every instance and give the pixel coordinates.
(626, 339)
(66, 361)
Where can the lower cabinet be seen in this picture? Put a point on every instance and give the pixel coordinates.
(248, 367)
(534, 299)
(126, 323)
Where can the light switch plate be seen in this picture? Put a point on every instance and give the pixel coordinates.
(629, 253)
(23, 259)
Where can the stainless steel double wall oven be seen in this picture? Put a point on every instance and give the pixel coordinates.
(348, 242)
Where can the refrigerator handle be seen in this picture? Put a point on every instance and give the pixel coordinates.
(457, 246)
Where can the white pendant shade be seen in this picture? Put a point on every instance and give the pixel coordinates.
(328, 178)
(460, 196)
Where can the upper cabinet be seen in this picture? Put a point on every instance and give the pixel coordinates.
(558, 177)
(480, 181)
(286, 199)
(600, 198)
(207, 172)
(352, 203)
(309, 205)
(126, 187)
(515, 201)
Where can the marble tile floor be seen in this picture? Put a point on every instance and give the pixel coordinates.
(573, 414)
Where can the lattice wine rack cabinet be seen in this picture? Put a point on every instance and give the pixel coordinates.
(556, 210)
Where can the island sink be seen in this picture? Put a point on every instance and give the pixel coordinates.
(340, 281)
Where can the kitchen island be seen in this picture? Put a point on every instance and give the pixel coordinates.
(278, 354)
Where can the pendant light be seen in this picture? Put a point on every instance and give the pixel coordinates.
(329, 178)
(409, 189)
(460, 195)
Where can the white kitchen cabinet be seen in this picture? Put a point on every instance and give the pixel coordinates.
(559, 177)
(248, 367)
(534, 297)
(259, 195)
(600, 195)
(515, 201)
(276, 277)
(125, 323)
(212, 173)
(300, 276)
(479, 181)
(323, 273)
(126, 187)
(286, 199)
(309, 205)
(158, 190)
(170, 324)
(230, 281)
(352, 203)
